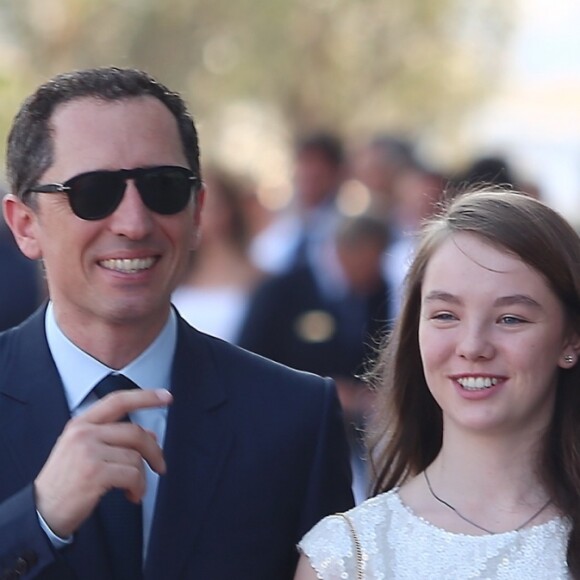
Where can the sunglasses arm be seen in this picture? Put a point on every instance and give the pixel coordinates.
(49, 188)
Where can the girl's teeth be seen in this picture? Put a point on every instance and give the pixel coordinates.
(477, 383)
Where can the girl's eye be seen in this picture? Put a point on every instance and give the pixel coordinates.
(443, 316)
(510, 320)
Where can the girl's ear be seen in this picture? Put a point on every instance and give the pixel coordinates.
(570, 352)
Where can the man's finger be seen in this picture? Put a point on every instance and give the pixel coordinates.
(129, 436)
(117, 405)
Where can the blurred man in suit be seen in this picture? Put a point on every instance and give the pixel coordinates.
(309, 321)
(302, 233)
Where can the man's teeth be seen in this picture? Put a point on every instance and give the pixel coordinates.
(477, 383)
(128, 265)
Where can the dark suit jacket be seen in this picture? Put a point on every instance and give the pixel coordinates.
(255, 456)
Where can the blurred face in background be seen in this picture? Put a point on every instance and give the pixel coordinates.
(415, 195)
(373, 169)
(316, 178)
(361, 262)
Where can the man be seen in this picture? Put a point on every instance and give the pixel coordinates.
(302, 234)
(106, 190)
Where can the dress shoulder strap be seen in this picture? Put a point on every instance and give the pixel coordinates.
(357, 546)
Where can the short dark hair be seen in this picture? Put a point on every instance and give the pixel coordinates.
(492, 170)
(363, 228)
(30, 146)
(393, 149)
(326, 144)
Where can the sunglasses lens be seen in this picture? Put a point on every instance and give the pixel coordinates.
(94, 196)
(165, 190)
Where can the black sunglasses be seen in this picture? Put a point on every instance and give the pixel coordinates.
(97, 194)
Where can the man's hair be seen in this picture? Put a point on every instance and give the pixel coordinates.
(30, 145)
(327, 145)
(364, 229)
(394, 150)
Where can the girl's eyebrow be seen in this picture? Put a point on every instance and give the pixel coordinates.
(523, 299)
(510, 300)
(442, 296)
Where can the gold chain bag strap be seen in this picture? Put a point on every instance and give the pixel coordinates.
(357, 547)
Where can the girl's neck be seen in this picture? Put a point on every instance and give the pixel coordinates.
(506, 467)
(481, 483)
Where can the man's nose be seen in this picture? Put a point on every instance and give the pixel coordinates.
(132, 218)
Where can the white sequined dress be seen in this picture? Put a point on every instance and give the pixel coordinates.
(397, 544)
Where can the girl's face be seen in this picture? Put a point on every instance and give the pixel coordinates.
(492, 336)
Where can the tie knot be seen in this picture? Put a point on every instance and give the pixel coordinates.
(113, 382)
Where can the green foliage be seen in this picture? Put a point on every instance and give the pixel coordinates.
(355, 65)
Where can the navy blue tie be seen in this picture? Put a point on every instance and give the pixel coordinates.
(120, 518)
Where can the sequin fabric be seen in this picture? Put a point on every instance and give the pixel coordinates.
(398, 545)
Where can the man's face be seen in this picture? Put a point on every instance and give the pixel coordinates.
(316, 178)
(119, 270)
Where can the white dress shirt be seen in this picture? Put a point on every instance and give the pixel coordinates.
(80, 372)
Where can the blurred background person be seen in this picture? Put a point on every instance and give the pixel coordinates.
(21, 286)
(377, 164)
(302, 233)
(403, 192)
(487, 170)
(416, 194)
(295, 321)
(494, 170)
(214, 294)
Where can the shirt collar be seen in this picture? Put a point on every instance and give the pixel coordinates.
(80, 372)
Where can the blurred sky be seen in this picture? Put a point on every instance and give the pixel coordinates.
(534, 118)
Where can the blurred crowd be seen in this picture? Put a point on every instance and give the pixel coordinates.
(316, 285)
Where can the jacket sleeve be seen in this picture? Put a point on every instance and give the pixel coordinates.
(24, 548)
(329, 486)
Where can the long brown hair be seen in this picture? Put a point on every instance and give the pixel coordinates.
(407, 430)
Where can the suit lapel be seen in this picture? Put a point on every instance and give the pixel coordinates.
(198, 440)
(32, 397)
(33, 412)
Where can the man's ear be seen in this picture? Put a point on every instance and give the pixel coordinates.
(199, 203)
(22, 221)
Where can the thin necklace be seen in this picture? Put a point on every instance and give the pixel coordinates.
(531, 518)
